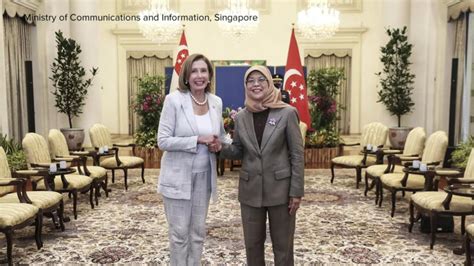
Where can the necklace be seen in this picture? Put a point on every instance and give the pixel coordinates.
(197, 102)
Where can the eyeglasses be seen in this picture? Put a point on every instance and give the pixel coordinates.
(260, 81)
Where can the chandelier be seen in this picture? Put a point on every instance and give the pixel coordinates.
(156, 23)
(238, 20)
(319, 21)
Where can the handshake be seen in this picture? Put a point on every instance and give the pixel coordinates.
(211, 141)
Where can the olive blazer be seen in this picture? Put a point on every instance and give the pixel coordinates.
(274, 171)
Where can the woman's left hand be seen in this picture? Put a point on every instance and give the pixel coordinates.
(294, 205)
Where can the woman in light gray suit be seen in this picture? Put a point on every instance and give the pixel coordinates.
(191, 119)
(267, 139)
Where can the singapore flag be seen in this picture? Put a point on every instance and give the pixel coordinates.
(294, 82)
(180, 57)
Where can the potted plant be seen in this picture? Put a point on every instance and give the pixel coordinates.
(15, 154)
(460, 155)
(396, 82)
(148, 104)
(323, 138)
(70, 86)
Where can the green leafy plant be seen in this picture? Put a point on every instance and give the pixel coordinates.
(324, 85)
(323, 138)
(15, 154)
(461, 154)
(396, 81)
(69, 78)
(148, 105)
(228, 116)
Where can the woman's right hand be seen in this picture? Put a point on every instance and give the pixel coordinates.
(206, 139)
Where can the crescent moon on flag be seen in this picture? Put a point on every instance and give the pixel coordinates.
(290, 73)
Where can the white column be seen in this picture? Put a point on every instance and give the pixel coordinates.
(396, 13)
(427, 31)
(87, 35)
(4, 128)
(43, 53)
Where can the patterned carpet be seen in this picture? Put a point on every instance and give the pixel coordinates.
(336, 224)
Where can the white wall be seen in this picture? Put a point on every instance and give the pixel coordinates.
(105, 44)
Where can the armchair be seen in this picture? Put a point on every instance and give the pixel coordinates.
(50, 202)
(59, 151)
(19, 215)
(414, 145)
(100, 137)
(433, 155)
(441, 203)
(303, 129)
(38, 156)
(375, 134)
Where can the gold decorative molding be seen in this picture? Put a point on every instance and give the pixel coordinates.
(30, 4)
(262, 6)
(343, 6)
(135, 6)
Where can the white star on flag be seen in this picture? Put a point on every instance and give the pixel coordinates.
(294, 82)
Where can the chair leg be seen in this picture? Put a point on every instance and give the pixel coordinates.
(403, 193)
(38, 229)
(97, 193)
(91, 194)
(433, 226)
(394, 199)
(377, 189)
(463, 224)
(366, 184)
(113, 175)
(125, 175)
(412, 216)
(332, 172)
(467, 249)
(74, 203)
(358, 176)
(105, 186)
(61, 215)
(9, 237)
(143, 173)
(381, 194)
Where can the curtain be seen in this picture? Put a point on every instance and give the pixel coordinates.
(137, 66)
(17, 51)
(460, 53)
(339, 59)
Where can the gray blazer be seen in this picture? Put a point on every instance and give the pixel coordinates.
(274, 172)
(177, 136)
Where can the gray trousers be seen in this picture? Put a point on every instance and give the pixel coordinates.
(187, 222)
(282, 230)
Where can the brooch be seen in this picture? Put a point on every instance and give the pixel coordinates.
(272, 121)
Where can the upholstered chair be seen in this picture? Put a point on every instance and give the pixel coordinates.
(100, 137)
(50, 202)
(14, 216)
(374, 134)
(433, 156)
(440, 203)
(414, 145)
(467, 243)
(38, 155)
(59, 151)
(303, 130)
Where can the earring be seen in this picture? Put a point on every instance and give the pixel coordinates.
(208, 82)
(186, 82)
